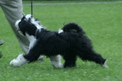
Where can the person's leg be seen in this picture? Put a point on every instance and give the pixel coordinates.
(13, 10)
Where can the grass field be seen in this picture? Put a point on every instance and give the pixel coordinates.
(101, 22)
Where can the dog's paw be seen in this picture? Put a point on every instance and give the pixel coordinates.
(20, 60)
(40, 58)
(14, 62)
(56, 61)
(57, 65)
(105, 64)
(60, 66)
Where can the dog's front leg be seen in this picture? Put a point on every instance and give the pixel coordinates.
(32, 41)
(20, 60)
(33, 55)
(56, 61)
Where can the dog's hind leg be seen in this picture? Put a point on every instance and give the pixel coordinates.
(90, 55)
(70, 60)
(56, 61)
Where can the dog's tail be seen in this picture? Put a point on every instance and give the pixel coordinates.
(72, 27)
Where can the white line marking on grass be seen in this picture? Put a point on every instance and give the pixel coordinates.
(72, 3)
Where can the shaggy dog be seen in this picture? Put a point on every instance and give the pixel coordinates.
(69, 42)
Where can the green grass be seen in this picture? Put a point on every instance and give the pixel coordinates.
(101, 22)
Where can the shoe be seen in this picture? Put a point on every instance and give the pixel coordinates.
(1, 42)
(0, 54)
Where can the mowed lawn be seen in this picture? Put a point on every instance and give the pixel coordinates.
(102, 24)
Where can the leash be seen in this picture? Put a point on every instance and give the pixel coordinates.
(32, 7)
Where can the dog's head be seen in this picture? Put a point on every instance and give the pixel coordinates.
(27, 25)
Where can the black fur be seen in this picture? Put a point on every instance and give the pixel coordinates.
(72, 42)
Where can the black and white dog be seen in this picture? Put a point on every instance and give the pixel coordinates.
(69, 42)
